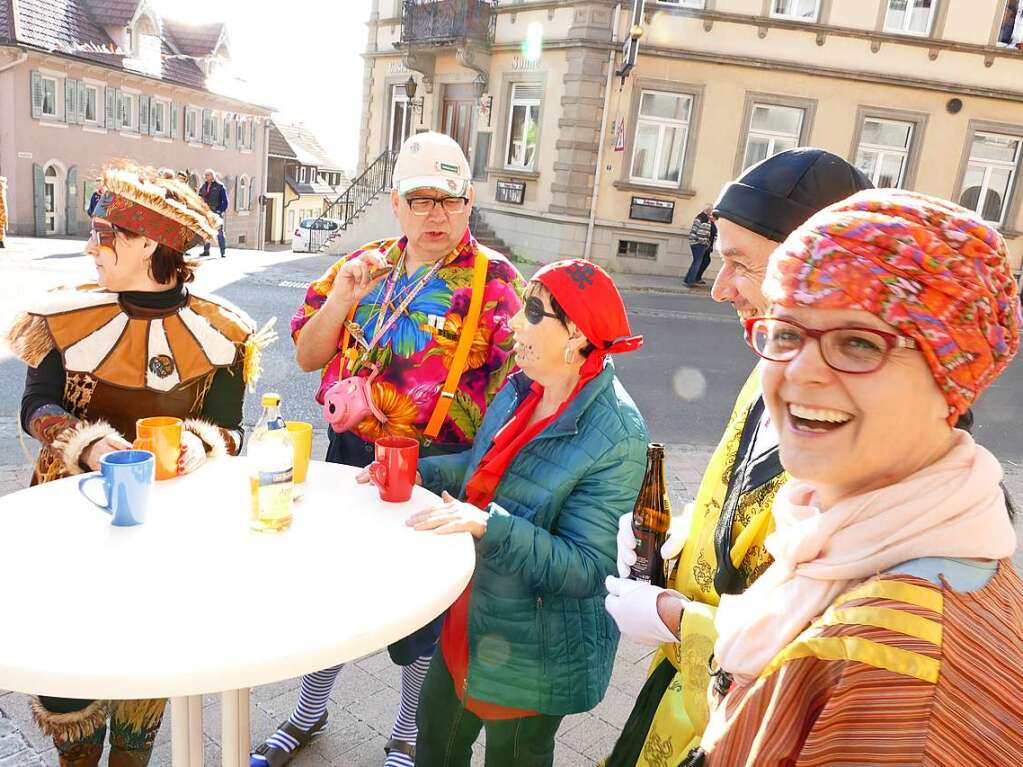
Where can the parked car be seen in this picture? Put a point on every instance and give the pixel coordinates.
(311, 233)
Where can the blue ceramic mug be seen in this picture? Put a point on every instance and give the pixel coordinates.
(127, 477)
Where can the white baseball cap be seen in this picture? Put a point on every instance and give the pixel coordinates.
(432, 161)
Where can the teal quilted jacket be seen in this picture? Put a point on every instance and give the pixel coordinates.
(539, 637)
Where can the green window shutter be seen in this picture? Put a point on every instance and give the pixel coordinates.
(237, 193)
(252, 135)
(110, 111)
(71, 200)
(70, 100)
(207, 126)
(38, 199)
(225, 130)
(83, 97)
(37, 95)
(175, 131)
(142, 126)
(252, 191)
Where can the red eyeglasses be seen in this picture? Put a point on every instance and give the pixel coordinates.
(853, 349)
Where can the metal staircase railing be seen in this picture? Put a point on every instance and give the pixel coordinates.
(377, 178)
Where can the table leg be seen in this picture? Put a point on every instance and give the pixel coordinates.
(179, 732)
(235, 727)
(195, 737)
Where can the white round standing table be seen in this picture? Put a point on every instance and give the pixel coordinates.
(193, 602)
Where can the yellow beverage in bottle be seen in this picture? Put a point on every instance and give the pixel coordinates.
(271, 470)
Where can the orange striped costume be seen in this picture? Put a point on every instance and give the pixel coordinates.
(898, 671)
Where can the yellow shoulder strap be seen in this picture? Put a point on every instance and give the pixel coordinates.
(472, 319)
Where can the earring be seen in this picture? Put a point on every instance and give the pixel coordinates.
(569, 355)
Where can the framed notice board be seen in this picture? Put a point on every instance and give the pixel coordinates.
(513, 192)
(650, 209)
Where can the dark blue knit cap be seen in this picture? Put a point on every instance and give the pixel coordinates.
(778, 194)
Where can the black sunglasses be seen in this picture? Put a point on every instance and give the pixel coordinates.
(535, 312)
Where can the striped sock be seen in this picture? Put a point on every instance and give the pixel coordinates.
(312, 703)
(412, 677)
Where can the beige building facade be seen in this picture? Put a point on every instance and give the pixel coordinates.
(67, 108)
(573, 160)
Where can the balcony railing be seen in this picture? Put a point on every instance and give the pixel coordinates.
(436, 22)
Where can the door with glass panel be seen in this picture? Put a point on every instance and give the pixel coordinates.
(990, 175)
(772, 129)
(401, 120)
(884, 151)
(50, 199)
(459, 114)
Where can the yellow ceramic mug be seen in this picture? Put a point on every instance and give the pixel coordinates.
(161, 436)
(302, 441)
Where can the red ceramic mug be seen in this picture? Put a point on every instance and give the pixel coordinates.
(394, 470)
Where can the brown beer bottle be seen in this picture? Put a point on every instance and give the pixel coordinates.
(650, 520)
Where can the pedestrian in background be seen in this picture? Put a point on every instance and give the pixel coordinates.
(214, 194)
(702, 235)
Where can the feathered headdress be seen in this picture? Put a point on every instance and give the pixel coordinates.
(163, 209)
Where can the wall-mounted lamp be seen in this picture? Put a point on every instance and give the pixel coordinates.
(415, 104)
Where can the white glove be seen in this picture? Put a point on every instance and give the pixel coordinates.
(633, 605)
(678, 531)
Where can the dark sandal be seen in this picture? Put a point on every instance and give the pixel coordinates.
(278, 757)
(402, 747)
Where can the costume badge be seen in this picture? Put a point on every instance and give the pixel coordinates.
(161, 365)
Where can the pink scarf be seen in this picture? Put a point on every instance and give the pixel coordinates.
(952, 508)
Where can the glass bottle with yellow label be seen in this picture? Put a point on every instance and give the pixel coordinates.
(271, 469)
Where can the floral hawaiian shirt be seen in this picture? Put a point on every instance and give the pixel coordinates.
(415, 352)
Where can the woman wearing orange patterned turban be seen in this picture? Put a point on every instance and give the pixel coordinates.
(136, 344)
(889, 629)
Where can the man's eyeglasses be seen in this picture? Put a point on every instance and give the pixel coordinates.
(848, 349)
(423, 206)
(104, 233)
(535, 312)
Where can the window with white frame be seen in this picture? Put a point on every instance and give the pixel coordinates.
(795, 10)
(772, 129)
(301, 175)
(1010, 33)
(92, 104)
(215, 128)
(50, 103)
(883, 153)
(127, 111)
(191, 124)
(990, 173)
(910, 17)
(662, 130)
(523, 126)
(160, 123)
